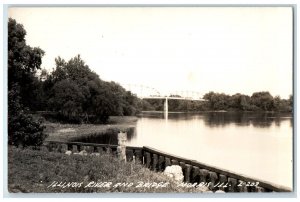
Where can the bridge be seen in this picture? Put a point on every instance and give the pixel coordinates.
(146, 92)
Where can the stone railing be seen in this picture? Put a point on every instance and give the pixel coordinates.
(216, 178)
(193, 171)
(76, 147)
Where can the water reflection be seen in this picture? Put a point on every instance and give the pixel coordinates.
(222, 119)
(254, 144)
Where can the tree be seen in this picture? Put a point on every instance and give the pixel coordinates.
(217, 101)
(263, 100)
(23, 61)
(244, 103)
(67, 99)
(277, 103)
(76, 92)
(239, 102)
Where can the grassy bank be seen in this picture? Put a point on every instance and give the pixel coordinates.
(35, 171)
(69, 132)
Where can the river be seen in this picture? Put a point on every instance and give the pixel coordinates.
(258, 145)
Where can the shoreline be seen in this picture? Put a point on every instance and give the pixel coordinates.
(69, 132)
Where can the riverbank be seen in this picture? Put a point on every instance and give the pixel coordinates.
(69, 132)
(43, 172)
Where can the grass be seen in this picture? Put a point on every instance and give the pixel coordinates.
(35, 171)
(72, 132)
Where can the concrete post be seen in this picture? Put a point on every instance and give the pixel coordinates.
(63, 148)
(213, 177)
(168, 161)
(260, 189)
(121, 149)
(139, 155)
(242, 188)
(74, 148)
(129, 154)
(161, 163)
(188, 169)
(232, 184)
(148, 159)
(195, 174)
(223, 179)
(174, 162)
(203, 175)
(155, 162)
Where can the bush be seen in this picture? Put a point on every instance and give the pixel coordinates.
(22, 129)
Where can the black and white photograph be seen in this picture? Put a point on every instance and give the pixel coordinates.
(150, 99)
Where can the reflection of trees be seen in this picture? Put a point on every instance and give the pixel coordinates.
(217, 119)
(221, 119)
(262, 120)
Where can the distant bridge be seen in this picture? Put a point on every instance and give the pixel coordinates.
(146, 92)
(166, 105)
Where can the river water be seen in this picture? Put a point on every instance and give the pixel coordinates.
(258, 145)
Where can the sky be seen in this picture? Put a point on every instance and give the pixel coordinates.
(202, 49)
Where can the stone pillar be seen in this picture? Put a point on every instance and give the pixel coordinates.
(213, 177)
(203, 175)
(187, 173)
(242, 187)
(155, 162)
(148, 159)
(232, 184)
(161, 163)
(121, 149)
(129, 155)
(174, 162)
(223, 180)
(63, 148)
(74, 148)
(139, 155)
(167, 161)
(195, 174)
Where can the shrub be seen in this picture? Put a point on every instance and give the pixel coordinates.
(22, 129)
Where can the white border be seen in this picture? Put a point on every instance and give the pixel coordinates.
(3, 79)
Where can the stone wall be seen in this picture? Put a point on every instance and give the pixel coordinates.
(193, 171)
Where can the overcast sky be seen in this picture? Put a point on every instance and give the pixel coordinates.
(226, 50)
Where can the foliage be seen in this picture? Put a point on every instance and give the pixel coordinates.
(259, 101)
(23, 61)
(22, 129)
(75, 92)
(263, 100)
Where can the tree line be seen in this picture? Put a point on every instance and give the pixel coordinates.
(258, 101)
